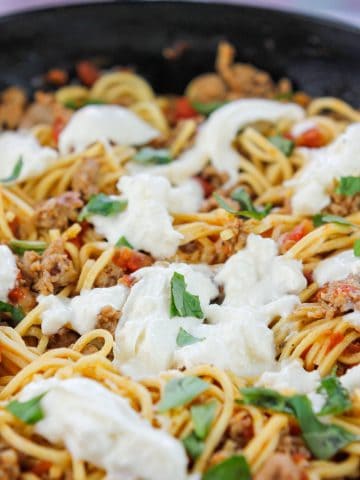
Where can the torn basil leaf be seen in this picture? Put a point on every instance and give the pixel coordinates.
(243, 198)
(15, 173)
(21, 246)
(122, 242)
(185, 338)
(29, 412)
(337, 397)
(16, 313)
(153, 156)
(266, 398)
(233, 468)
(180, 391)
(357, 248)
(183, 303)
(202, 417)
(193, 445)
(207, 108)
(102, 204)
(320, 219)
(348, 186)
(283, 144)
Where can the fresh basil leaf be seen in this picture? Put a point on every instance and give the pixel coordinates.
(320, 219)
(72, 104)
(193, 445)
(207, 108)
(122, 242)
(357, 248)
(180, 391)
(337, 397)
(266, 398)
(250, 213)
(15, 173)
(324, 440)
(241, 196)
(284, 96)
(183, 303)
(202, 417)
(283, 144)
(153, 156)
(349, 186)
(21, 246)
(75, 104)
(185, 338)
(102, 204)
(16, 313)
(233, 468)
(29, 412)
(94, 101)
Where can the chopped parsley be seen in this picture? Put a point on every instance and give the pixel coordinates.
(248, 208)
(102, 204)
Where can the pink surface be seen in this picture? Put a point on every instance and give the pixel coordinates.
(348, 10)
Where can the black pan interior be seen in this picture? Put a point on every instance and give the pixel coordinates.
(320, 56)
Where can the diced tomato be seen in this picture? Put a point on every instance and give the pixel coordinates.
(131, 260)
(183, 109)
(267, 233)
(312, 138)
(57, 77)
(127, 281)
(299, 457)
(87, 72)
(334, 339)
(16, 294)
(41, 467)
(206, 186)
(288, 239)
(58, 126)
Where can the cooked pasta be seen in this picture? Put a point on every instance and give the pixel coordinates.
(180, 281)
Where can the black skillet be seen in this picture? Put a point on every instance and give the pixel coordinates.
(320, 56)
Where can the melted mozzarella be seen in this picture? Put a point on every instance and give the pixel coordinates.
(258, 277)
(214, 141)
(104, 123)
(351, 379)
(81, 311)
(238, 340)
(146, 335)
(337, 267)
(291, 376)
(146, 223)
(301, 127)
(324, 165)
(8, 272)
(16, 145)
(106, 432)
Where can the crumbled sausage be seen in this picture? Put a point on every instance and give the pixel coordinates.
(294, 446)
(58, 212)
(85, 178)
(109, 276)
(108, 318)
(343, 205)
(63, 338)
(280, 467)
(206, 88)
(49, 272)
(340, 296)
(240, 429)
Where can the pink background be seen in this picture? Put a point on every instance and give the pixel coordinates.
(348, 10)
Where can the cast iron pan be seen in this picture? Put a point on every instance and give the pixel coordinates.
(320, 56)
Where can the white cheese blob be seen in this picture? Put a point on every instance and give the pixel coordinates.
(291, 376)
(104, 123)
(351, 379)
(214, 141)
(100, 427)
(8, 272)
(237, 340)
(301, 127)
(324, 165)
(81, 311)
(25, 146)
(257, 276)
(146, 222)
(337, 267)
(146, 335)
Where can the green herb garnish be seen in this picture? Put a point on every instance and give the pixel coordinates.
(185, 338)
(233, 468)
(180, 391)
(207, 108)
(15, 173)
(202, 417)
(102, 204)
(122, 242)
(266, 398)
(283, 144)
(249, 210)
(320, 219)
(348, 186)
(193, 445)
(21, 246)
(357, 248)
(29, 412)
(183, 303)
(16, 313)
(153, 156)
(337, 397)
